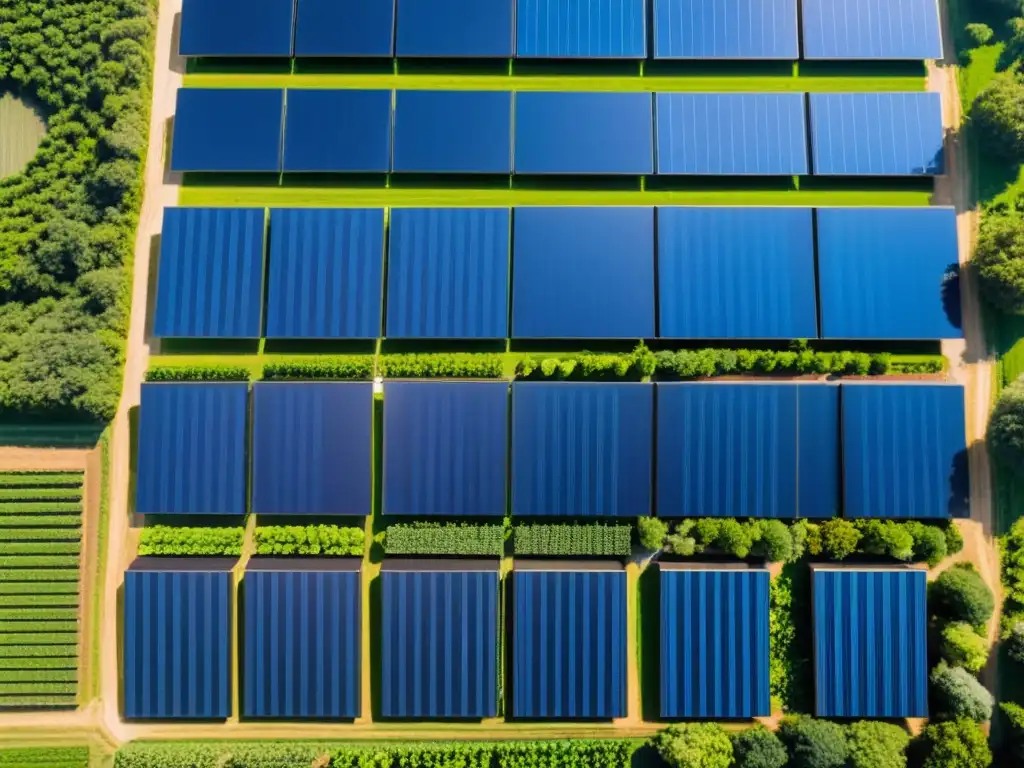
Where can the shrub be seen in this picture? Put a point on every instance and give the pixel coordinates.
(776, 541)
(963, 647)
(978, 34)
(954, 539)
(198, 373)
(783, 667)
(877, 745)
(1011, 561)
(1006, 425)
(308, 540)
(960, 594)
(651, 532)
(680, 541)
(694, 745)
(1013, 639)
(338, 368)
(929, 543)
(705, 363)
(955, 744)
(449, 366)
(179, 540)
(997, 117)
(638, 364)
(1014, 714)
(958, 694)
(814, 743)
(886, 537)
(573, 539)
(758, 747)
(999, 258)
(839, 538)
(423, 538)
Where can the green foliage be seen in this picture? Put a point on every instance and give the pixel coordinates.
(180, 540)
(40, 494)
(427, 538)
(1011, 561)
(308, 540)
(1013, 639)
(777, 541)
(999, 258)
(651, 531)
(38, 561)
(1014, 714)
(954, 539)
(958, 694)
(449, 366)
(758, 747)
(877, 745)
(638, 364)
(886, 538)
(814, 743)
(706, 363)
(338, 368)
(960, 594)
(198, 373)
(572, 539)
(1006, 424)
(36, 508)
(954, 744)
(839, 538)
(38, 521)
(997, 117)
(781, 638)
(45, 757)
(963, 647)
(930, 543)
(41, 479)
(694, 745)
(978, 34)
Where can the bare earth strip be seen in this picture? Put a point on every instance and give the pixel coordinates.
(21, 459)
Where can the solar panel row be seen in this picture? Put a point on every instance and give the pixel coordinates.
(562, 29)
(602, 272)
(557, 133)
(451, 449)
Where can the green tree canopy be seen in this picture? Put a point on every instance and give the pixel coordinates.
(998, 117)
(954, 744)
(877, 745)
(960, 594)
(694, 745)
(999, 259)
(963, 647)
(1006, 428)
(958, 694)
(814, 743)
(758, 747)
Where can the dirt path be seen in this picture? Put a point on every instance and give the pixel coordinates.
(50, 459)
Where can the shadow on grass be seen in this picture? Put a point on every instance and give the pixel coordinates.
(798, 686)
(204, 65)
(374, 651)
(428, 346)
(209, 346)
(649, 645)
(319, 346)
(31, 433)
(862, 69)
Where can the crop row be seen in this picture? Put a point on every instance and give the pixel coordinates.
(40, 521)
(67, 700)
(40, 494)
(596, 539)
(40, 675)
(33, 601)
(443, 539)
(49, 574)
(8, 508)
(76, 757)
(40, 535)
(40, 479)
(38, 614)
(39, 638)
(42, 548)
(183, 540)
(40, 662)
(24, 628)
(40, 688)
(50, 650)
(328, 540)
(39, 561)
(40, 588)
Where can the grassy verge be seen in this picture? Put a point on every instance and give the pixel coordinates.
(96, 609)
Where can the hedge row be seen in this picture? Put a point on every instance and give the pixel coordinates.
(40, 494)
(443, 539)
(39, 521)
(40, 676)
(35, 600)
(51, 588)
(638, 364)
(38, 507)
(39, 561)
(41, 662)
(68, 650)
(26, 628)
(34, 535)
(38, 638)
(37, 479)
(29, 614)
(451, 366)
(182, 540)
(701, 363)
(308, 540)
(578, 539)
(347, 367)
(51, 574)
(198, 373)
(50, 757)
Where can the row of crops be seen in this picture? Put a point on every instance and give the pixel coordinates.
(45, 757)
(40, 546)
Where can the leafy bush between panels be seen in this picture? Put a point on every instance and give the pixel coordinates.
(181, 540)
(329, 540)
(430, 538)
(347, 367)
(573, 539)
(198, 373)
(448, 366)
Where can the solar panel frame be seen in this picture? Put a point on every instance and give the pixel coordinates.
(726, 22)
(455, 29)
(349, 28)
(867, 29)
(234, 28)
(337, 131)
(546, 29)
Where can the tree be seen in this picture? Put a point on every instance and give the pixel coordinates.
(814, 743)
(1013, 641)
(734, 538)
(758, 747)
(998, 117)
(877, 745)
(886, 537)
(958, 694)
(776, 541)
(694, 745)
(1006, 427)
(929, 544)
(963, 647)
(978, 34)
(839, 538)
(999, 259)
(960, 594)
(1014, 714)
(954, 744)
(954, 539)
(652, 532)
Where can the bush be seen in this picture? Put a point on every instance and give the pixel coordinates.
(960, 594)
(954, 539)
(308, 540)
(198, 373)
(839, 538)
(758, 747)
(1013, 640)
(1006, 425)
(573, 539)
(997, 117)
(444, 539)
(1014, 714)
(638, 364)
(885, 538)
(999, 258)
(958, 694)
(337, 368)
(930, 543)
(1011, 561)
(956, 744)
(179, 540)
(978, 34)
(814, 743)
(706, 363)
(877, 745)
(652, 532)
(963, 647)
(449, 366)
(694, 745)
(776, 542)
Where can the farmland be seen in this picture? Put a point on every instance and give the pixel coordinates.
(21, 130)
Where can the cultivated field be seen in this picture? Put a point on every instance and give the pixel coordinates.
(21, 130)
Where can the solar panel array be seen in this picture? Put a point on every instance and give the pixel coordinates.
(555, 29)
(557, 133)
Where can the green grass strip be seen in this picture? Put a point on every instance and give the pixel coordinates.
(39, 588)
(40, 494)
(49, 574)
(39, 561)
(40, 535)
(49, 764)
(38, 507)
(40, 662)
(40, 521)
(40, 479)
(38, 614)
(48, 755)
(37, 701)
(30, 627)
(65, 651)
(40, 676)
(37, 638)
(35, 600)
(42, 548)
(7, 688)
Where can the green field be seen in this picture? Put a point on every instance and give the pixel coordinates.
(21, 130)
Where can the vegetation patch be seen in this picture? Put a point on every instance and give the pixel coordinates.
(181, 540)
(21, 131)
(582, 539)
(428, 538)
(329, 540)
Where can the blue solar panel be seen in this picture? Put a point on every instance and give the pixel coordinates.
(904, 451)
(888, 273)
(871, 29)
(326, 273)
(448, 273)
(338, 131)
(192, 448)
(725, 29)
(354, 28)
(445, 448)
(736, 273)
(569, 644)
(227, 130)
(236, 28)
(455, 28)
(871, 643)
(584, 133)
(731, 134)
(439, 644)
(302, 642)
(581, 450)
(583, 273)
(581, 29)
(876, 134)
(312, 448)
(748, 450)
(714, 644)
(177, 642)
(210, 281)
(453, 132)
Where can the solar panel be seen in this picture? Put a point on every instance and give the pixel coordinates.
(581, 450)
(192, 449)
(227, 130)
(236, 28)
(583, 273)
(725, 29)
(210, 275)
(888, 273)
(581, 29)
(455, 28)
(583, 133)
(445, 448)
(354, 28)
(453, 132)
(338, 131)
(726, 134)
(877, 134)
(871, 29)
(904, 451)
(448, 273)
(326, 273)
(736, 273)
(312, 448)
